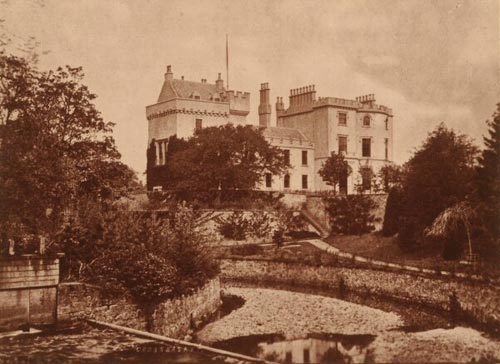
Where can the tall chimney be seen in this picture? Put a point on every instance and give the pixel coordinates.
(169, 75)
(264, 106)
(280, 109)
(219, 84)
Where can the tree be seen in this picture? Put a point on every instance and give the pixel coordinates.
(439, 175)
(392, 213)
(488, 176)
(55, 146)
(222, 159)
(390, 175)
(351, 214)
(334, 170)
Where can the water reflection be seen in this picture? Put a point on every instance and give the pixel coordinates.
(315, 348)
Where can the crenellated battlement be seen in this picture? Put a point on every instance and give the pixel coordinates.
(237, 94)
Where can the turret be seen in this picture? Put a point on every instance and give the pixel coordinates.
(264, 106)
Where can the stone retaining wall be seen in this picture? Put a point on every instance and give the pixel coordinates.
(172, 318)
(477, 300)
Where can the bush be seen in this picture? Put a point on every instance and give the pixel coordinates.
(235, 226)
(351, 214)
(150, 259)
(259, 224)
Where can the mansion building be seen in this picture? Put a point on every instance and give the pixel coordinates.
(307, 131)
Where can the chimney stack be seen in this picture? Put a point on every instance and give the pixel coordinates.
(219, 84)
(280, 109)
(264, 106)
(169, 75)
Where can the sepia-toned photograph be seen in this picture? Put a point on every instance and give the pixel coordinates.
(249, 181)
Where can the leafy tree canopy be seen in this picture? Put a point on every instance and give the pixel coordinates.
(488, 175)
(334, 170)
(55, 146)
(221, 158)
(439, 175)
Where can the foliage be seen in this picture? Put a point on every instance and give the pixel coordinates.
(217, 160)
(240, 225)
(259, 224)
(390, 176)
(334, 170)
(351, 214)
(150, 259)
(55, 147)
(439, 175)
(392, 212)
(234, 226)
(488, 187)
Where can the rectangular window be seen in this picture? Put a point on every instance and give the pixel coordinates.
(367, 147)
(288, 357)
(198, 125)
(286, 181)
(386, 123)
(286, 152)
(269, 179)
(386, 142)
(343, 144)
(304, 181)
(342, 118)
(366, 175)
(304, 157)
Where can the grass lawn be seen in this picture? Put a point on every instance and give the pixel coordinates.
(376, 246)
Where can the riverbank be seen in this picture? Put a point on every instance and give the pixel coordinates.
(471, 301)
(284, 320)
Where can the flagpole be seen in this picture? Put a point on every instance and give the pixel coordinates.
(227, 64)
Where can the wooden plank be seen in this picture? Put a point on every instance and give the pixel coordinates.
(179, 342)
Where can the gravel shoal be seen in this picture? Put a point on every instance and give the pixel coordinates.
(268, 311)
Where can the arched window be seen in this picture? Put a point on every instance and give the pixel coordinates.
(366, 120)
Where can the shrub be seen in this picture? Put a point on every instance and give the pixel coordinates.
(235, 226)
(259, 224)
(150, 259)
(351, 214)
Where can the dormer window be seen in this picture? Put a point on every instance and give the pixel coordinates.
(366, 121)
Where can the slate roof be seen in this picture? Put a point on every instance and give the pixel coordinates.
(187, 89)
(284, 133)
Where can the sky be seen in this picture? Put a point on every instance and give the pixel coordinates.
(431, 61)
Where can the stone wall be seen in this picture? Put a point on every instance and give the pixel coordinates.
(172, 318)
(477, 300)
(28, 291)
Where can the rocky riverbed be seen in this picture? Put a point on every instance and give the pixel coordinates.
(290, 319)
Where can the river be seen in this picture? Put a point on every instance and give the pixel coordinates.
(281, 325)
